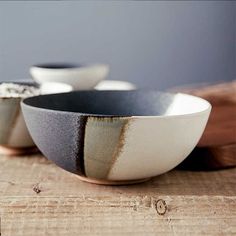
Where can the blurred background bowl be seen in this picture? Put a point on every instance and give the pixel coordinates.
(80, 77)
(14, 136)
(115, 85)
(54, 87)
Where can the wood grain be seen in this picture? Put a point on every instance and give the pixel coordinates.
(218, 94)
(176, 203)
(221, 127)
(119, 216)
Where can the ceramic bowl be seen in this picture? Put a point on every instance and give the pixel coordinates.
(78, 76)
(116, 137)
(115, 85)
(14, 136)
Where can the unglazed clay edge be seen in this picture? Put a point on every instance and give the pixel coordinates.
(120, 146)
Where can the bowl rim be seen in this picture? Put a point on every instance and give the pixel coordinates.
(197, 113)
(20, 82)
(33, 84)
(69, 66)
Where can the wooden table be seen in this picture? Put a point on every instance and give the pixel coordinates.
(37, 198)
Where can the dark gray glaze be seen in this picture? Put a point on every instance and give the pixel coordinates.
(59, 136)
(57, 122)
(21, 82)
(58, 65)
(108, 103)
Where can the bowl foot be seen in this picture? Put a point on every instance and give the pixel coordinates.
(111, 182)
(9, 151)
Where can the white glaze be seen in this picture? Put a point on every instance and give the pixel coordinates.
(115, 85)
(13, 130)
(19, 136)
(81, 78)
(155, 145)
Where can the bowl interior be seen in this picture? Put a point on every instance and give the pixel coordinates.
(121, 103)
(58, 65)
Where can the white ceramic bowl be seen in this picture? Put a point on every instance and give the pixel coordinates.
(115, 85)
(79, 77)
(54, 87)
(14, 136)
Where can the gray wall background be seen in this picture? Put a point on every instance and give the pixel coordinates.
(153, 44)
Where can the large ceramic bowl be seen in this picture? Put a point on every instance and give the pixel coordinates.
(80, 77)
(116, 137)
(14, 136)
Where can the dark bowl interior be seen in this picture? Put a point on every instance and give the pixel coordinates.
(58, 65)
(109, 103)
(21, 82)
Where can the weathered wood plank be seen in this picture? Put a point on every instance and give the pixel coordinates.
(19, 175)
(119, 215)
(196, 203)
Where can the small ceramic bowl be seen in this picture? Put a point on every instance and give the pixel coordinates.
(116, 137)
(78, 76)
(14, 136)
(115, 85)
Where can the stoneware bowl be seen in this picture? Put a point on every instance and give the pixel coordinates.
(116, 137)
(14, 136)
(115, 85)
(80, 77)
